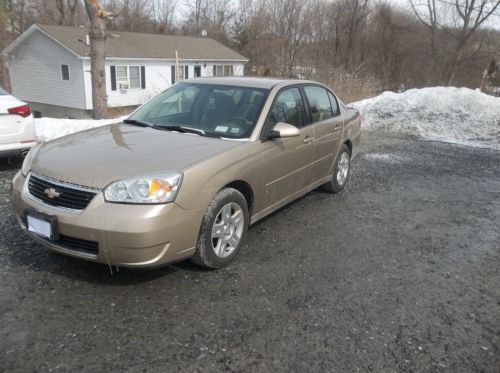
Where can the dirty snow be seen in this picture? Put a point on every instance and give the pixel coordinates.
(50, 128)
(385, 157)
(455, 115)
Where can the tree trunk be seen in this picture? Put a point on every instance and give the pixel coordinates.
(97, 34)
(457, 58)
(5, 74)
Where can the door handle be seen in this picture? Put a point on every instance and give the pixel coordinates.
(308, 140)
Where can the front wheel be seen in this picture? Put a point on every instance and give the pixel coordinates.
(222, 230)
(341, 170)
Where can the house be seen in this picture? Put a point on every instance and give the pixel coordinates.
(49, 67)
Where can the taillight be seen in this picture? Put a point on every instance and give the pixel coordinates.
(23, 111)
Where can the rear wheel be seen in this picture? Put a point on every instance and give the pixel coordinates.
(222, 230)
(341, 170)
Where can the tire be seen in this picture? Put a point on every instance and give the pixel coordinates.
(217, 243)
(340, 173)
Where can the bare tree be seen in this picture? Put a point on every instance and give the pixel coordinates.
(458, 19)
(471, 14)
(98, 16)
(62, 12)
(427, 13)
(196, 15)
(164, 15)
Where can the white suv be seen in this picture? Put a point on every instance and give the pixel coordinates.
(17, 126)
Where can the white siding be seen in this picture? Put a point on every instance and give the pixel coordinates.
(158, 78)
(35, 73)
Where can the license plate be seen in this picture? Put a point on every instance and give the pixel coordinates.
(41, 224)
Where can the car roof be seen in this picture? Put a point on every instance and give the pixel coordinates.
(251, 82)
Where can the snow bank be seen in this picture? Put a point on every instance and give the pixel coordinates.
(51, 128)
(456, 115)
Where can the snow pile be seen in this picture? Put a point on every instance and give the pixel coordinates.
(50, 128)
(456, 115)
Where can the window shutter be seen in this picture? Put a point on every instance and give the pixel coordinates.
(143, 77)
(113, 78)
(172, 74)
(186, 72)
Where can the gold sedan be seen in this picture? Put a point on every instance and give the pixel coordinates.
(187, 173)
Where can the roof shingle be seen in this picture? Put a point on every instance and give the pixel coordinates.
(139, 45)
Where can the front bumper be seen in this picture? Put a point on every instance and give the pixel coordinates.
(126, 235)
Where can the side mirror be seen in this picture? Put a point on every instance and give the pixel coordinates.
(282, 130)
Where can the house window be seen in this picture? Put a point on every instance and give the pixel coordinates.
(65, 72)
(182, 74)
(134, 77)
(128, 77)
(223, 70)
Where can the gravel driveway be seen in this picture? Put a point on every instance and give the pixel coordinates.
(400, 272)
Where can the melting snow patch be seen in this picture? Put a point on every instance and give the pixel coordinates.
(51, 128)
(385, 157)
(455, 115)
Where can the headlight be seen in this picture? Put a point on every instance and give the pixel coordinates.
(25, 169)
(149, 189)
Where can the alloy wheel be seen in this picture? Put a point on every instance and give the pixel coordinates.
(342, 168)
(227, 230)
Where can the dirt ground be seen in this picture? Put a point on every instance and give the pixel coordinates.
(400, 272)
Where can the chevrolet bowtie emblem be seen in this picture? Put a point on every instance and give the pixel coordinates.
(51, 193)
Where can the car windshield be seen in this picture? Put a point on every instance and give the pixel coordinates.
(3, 92)
(211, 110)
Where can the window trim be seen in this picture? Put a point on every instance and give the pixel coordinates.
(336, 102)
(69, 74)
(264, 129)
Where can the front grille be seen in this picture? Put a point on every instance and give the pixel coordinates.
(75, 244)
(63, 194)
(89, 247)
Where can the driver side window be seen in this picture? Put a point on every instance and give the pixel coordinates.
(288, 107)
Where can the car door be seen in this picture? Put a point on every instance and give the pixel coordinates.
(287, 162)
(324, 115)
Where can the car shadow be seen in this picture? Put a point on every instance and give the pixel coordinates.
(32, 255)
(316, 192)
(10, 163)
(25, 254)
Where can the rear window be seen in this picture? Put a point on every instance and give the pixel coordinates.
(319, 103)
(3, 92)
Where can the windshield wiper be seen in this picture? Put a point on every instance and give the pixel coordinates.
(138, 123)
(181, 129)
(176, 128)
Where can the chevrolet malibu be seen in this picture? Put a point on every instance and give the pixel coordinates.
(187, 173)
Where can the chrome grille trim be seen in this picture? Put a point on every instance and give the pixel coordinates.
(62, 184)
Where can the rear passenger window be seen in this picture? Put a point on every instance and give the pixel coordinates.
(287, 108)
(335, 105)
(319, 103)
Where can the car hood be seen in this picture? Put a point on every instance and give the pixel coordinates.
(99, 156)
